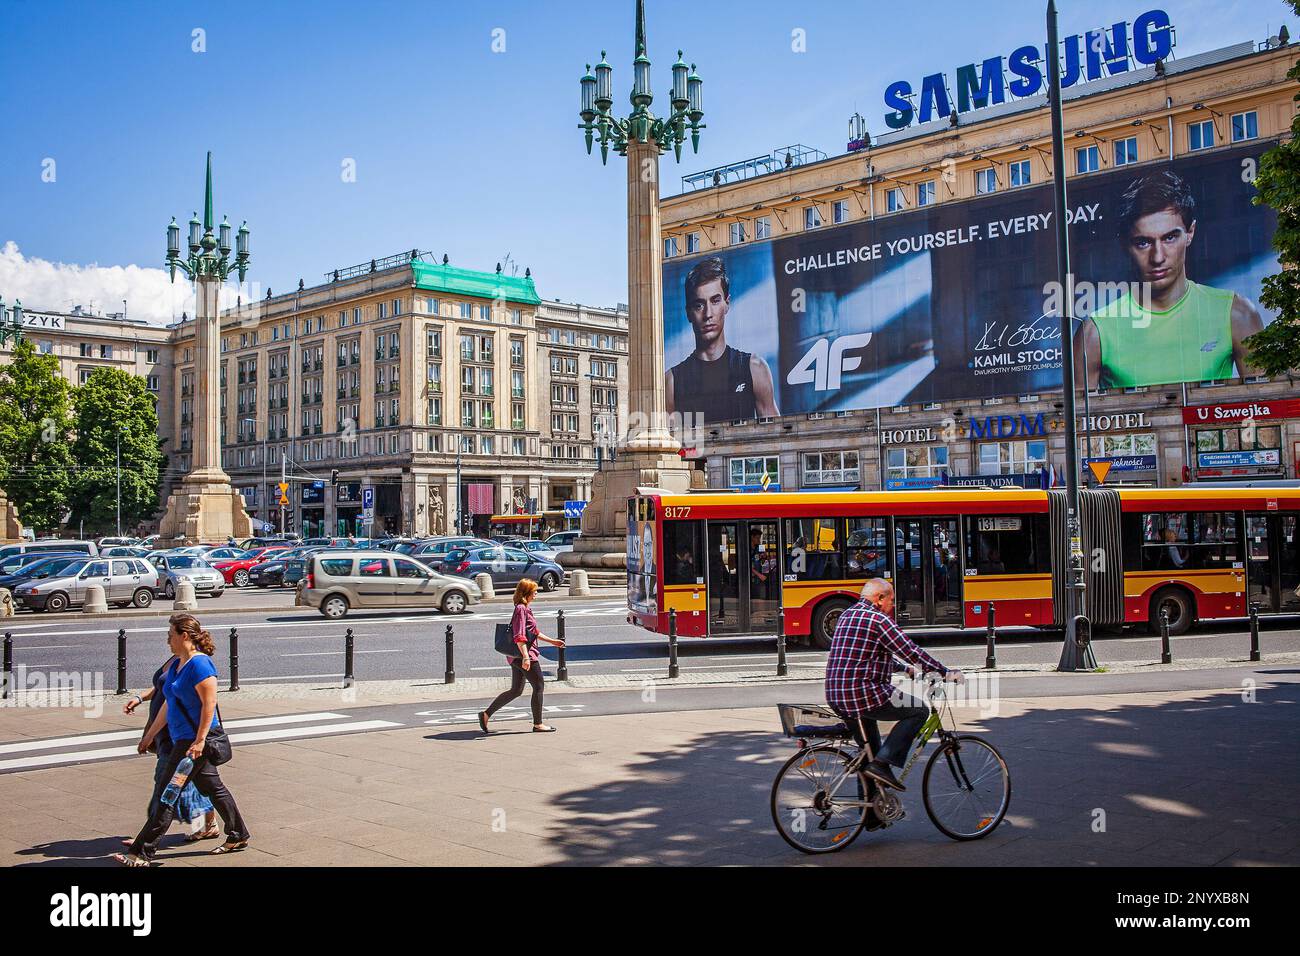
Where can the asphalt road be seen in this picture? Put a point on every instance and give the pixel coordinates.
(297, 644)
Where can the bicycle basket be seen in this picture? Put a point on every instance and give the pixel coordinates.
(811, 720)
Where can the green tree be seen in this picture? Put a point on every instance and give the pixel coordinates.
(1276, 350)
(114, 404)
(35, 444)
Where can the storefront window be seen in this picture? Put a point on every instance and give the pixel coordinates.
(922, 462)
(1245, 438)
(1114, 446)
(1011, 457)
(831, 468)
(750, 471)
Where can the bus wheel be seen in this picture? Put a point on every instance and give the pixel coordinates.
(824, 620)
(1177, 603)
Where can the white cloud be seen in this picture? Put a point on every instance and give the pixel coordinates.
(44, 286)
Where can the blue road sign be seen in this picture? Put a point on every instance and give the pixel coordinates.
(574, 509)
(367, 498)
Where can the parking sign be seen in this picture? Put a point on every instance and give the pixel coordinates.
(367, 498)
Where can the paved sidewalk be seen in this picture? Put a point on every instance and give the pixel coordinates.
(1190, 778)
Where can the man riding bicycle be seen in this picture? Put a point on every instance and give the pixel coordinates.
(866, 649)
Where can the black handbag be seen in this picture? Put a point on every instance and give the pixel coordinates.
(216, 748)
(503, 640)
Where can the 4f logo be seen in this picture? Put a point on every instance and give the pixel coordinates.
(825, 363)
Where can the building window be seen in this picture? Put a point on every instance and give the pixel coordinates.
(152, 383)
(1245, 126)
(47, 348)
(1245, 438)
(517, 352)
(356, 316)
(433, 343)
(1087, 159)
(831, 468)
(516, 384)
(516, 316)
(986, 180)
(762, 228)
(736, 233)
(1011, 457)
(1126, 151)
(467, 416)
(812, 217)
(750, 471)
(840, 211)
(151, 356)
(925, 193)
(106, 351)
(517, 415)
(1200, 135)
(670, 247)
(1112, 446)
(894, 200)
(432, 306)
(1019, 173)
(921, 462)
(692, 242)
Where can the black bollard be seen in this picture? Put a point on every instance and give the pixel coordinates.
(781, 669)
(348, 652)
(1166, 656)
(8, 675)
(449, 675)
(234, 658)
(990, 641)
(121, 660)
(562, 668)
(673, 670)
(1254, 632)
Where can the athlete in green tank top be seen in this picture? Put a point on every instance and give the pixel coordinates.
(1167, 328)
(1191, 341)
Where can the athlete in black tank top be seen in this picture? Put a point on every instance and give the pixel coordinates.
(722, 390)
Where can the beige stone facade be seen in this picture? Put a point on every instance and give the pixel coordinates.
(867, 449)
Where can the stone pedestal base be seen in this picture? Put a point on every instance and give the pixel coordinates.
(603, 542)
(11, 529)
(203, 512)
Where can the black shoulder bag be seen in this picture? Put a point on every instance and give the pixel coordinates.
(217, 746)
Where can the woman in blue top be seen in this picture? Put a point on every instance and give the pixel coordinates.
(188, 713)
(191, 804)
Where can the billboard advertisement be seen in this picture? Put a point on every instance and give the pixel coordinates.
(956, 301)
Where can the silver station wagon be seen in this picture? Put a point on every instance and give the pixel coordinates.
(124, 580)
(337, 581)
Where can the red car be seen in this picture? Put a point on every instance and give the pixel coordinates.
(235, 570)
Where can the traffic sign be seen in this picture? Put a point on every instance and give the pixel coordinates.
(368, 498)
(1100, 469)
(574, 509)
(284, 492)
(367, 515)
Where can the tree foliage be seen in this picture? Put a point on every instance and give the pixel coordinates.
(1276, 350)
(35, 437)
(113, 404)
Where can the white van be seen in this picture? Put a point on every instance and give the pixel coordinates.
(53, 545)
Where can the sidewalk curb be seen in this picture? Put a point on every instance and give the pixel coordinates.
(365, 693)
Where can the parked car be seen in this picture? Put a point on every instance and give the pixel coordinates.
(562, 541)
(538, 548)
(125, 581)
(43, 566)
(17, 562)
(295, 566)
(116, 542)
(174, 567)
(269, 572)
(433, 549)
(235, 569)
(122, 551)
(50, 546)
(290, 540)
(338, 581)
(506, 566)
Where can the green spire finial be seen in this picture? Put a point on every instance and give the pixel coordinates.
(207, 199)
(640, 27)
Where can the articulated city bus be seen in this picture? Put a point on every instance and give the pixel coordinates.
(536, 525)
(740, 564)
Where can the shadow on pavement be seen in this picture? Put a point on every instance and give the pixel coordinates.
(1215, 780)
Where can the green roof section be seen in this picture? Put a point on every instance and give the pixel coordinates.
(437, 277)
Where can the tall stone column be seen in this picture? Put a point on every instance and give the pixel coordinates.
(648, 457)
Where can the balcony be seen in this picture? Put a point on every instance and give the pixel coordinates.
(394, 386)
(341, 393)
(317, 365)
(517, 424)
(343, 361)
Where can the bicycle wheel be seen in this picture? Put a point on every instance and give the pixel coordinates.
(966, 787)
(817, 806)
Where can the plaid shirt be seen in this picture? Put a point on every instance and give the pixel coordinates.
(862, 660)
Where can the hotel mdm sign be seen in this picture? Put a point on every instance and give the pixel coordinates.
(1023, 73)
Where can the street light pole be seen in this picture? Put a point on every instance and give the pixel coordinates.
(1074, 656)
(118, 447)
(460, 526)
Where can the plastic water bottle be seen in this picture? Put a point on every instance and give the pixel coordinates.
(177, 783)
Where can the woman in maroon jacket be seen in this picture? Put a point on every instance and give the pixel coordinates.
(525, 667)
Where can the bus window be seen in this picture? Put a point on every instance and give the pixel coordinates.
(1182, 541)
(812, 549)
(867, 546)
(1007, 544)
(683, 545)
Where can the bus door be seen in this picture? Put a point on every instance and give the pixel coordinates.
(1273, 561)
(744, 583)
(927, 571)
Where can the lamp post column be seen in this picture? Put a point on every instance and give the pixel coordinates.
(207, 383)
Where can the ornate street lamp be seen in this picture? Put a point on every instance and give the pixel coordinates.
(11, 322)
(641, 125)
(209, 255)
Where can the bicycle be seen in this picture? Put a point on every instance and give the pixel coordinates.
(966, 787)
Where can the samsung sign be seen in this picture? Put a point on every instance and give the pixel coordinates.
(1023, 73)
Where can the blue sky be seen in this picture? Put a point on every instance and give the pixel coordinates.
(458, 149)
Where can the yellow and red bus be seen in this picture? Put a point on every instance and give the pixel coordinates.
(535, 525)
(740, 564)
